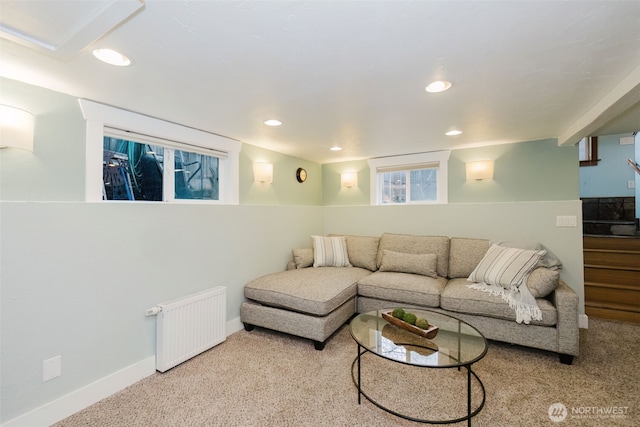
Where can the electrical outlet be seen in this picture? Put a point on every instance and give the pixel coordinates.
(566, 221)
(51, 368)
(631, 184)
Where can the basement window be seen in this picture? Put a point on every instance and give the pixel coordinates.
(411, 179)
(133, 157)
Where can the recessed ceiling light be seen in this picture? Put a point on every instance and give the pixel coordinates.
(272, 122)
(111, 57)
(335, 148)
(438, 86)
(453, 132)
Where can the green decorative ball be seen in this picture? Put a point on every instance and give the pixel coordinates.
(422, 323)
(409, 318)
(398, 313)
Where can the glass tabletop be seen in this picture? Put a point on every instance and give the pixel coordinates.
(456, 344)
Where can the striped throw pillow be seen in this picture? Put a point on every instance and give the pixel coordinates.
(330, 252)
(506, 267)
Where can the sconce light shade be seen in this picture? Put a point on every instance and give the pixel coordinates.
(16, 128)
(482, 169)
(263, 172)
(349, 179)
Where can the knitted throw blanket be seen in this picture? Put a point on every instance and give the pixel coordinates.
(518, 297)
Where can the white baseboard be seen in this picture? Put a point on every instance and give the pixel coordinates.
(583, 321)
(77, 400)
(234, 326)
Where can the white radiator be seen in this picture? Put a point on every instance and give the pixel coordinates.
(188, 326)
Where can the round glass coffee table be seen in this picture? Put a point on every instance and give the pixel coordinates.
(456, 345)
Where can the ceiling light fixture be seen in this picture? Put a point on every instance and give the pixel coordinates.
(272, 122)
(335, 148)
(112, 57)
(453, 132)
(438, 86)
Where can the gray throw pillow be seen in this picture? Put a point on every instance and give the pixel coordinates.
(303, 257)
(542, 281)
(423, 264)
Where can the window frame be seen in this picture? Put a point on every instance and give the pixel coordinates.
(102, 119)
(590, 144)
(406, 163)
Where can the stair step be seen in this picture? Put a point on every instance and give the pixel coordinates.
(628, 260)
(613, 295)
(613, 243)
(611, 267)
(613, 314)
(599, 274)
(628, 287)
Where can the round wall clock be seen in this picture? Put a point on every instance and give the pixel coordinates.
(301, 175)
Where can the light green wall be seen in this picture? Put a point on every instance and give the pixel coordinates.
(285, 189)
(334, 194)
(76, 277)
(526, 171)
(55, 169)
(610, 176)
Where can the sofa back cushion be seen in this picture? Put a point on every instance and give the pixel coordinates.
(465, 255)
(362, 250)
(406, 243)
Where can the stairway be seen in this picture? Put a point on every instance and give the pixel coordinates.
(612, 277)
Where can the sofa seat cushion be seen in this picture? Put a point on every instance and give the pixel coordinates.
(403, 288)
(313, 290)
(459, 298)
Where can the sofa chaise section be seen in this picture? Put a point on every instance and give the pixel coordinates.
(307, 302)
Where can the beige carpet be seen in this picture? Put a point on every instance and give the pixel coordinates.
(263, 378)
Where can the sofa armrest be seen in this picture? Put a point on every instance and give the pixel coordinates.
(565, 300)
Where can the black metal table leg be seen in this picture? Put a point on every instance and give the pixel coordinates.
(469, 396)
(359, 377)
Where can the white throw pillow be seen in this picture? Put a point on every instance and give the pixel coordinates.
(330, 252)
(506, 267)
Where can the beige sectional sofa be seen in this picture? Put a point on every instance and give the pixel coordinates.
(397, 270)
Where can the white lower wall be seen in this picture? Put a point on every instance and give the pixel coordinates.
(76, 279)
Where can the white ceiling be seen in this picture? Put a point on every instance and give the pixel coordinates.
(347, 73)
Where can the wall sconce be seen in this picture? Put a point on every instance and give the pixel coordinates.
(16, 128)
(349, 179)
(263, 172)
(482, 169)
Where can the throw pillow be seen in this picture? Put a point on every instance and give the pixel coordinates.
(542, 281)
(362, 250)
(423, 264)
(330, 252)
(549, 260)
(303, 257)
(506, 267)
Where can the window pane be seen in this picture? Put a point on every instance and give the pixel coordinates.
(394, 187)
(196, 176)
(423, 185)
(131, 170)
